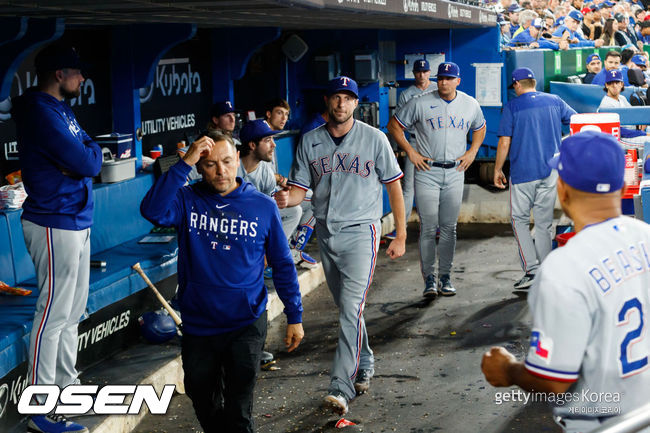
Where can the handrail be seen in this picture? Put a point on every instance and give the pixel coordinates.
(628, 423)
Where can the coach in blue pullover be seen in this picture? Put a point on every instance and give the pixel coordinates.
(225, 227)
(58, 160)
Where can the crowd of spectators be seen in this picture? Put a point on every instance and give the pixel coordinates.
(564, 24)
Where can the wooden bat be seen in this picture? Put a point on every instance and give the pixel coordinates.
(164, 303)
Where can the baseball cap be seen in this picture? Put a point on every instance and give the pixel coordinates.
(639, 60)
(613, 75)
(521, 74)
(619, 17)
(585, 11)
(448, 69)
(221, 108)
(591, 57)
(590, 161)
(538, 23)
(576, 15)
(514, 8)
(559, 22)
(421, 65)
(608, 4)
(58, 56)
(255, 130)
(343, 84)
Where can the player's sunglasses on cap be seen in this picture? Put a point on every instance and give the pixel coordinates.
(256, 130)
(448, 69)
(521, 74)
(421, 66)
(343, 84)
(58, 56)
(591, 161)
(221, 108)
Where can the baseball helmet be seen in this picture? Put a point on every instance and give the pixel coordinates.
(157, 326)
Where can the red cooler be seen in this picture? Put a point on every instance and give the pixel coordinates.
(609, 123)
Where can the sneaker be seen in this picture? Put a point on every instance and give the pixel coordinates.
(392, 235)
(303, 259)
(430, 289)
(446, 288)
(362, 381)
(53, 424)
(338, 402)
(268, 272)
(525, 282)
(266, 357)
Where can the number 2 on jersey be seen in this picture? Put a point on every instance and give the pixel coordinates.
(627, 366)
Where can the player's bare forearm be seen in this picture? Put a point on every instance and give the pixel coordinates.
(397, 247)
(501, 369)
(503, 148)
(289, 196)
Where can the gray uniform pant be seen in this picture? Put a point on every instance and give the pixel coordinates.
(349, 259)
(408, 187)
(62, 262)
(538, 196)
(290, 219)
(438, 193)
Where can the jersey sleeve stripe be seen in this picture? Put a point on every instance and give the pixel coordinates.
(296, 184)
(547, 373)
(480, 127)
(399, 121)
(394, 178)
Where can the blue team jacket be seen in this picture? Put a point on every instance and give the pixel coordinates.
(582, 42)
(526, 38)
(222, 242)
(57, 159)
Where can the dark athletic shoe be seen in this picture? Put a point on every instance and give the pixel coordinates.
(338, 402)
(525, 282)
(430, 287)
(362, 381)
(446, 288)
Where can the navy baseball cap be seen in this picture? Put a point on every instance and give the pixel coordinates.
(343, 84)
(448, 69)
(221, 108)
(538, 23)
(590, 161)
(639, 60)
(591, 57)
(256, 130)
(515, 8)
(58, 56)
(521, 74)
(619, 17)
(576, 15)
(421, 66)
(613, 75)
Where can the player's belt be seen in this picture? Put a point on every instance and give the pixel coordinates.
(443, 164)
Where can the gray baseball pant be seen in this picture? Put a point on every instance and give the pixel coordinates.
(408, 186)
(62, 262)
(290, 219)
(538, 196)
(349, 259)
(438, 193)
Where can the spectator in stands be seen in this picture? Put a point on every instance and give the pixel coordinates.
(612, 61)
(567, 32)
(527, 5)
(606, 10)
(513, 17)
(549, 21)
(644, 30)
(222, 296)
(531, 38)
(621, 35)
(525, 18)
(594, 65)
(58, 161)
(609, 31)
(505, 37)
(641, 61)
(591, 28)
(501, 6)
(222, 118)
(614, 99)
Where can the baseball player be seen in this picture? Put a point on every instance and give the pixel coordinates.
(421, 72)
(345, 163)
(530, 132)
(58, 161)
(590, 298)
(441, 119)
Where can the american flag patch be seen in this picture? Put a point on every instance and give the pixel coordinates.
(226, 247)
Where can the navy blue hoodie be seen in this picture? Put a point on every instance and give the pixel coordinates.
(57, 159)
(222, 241)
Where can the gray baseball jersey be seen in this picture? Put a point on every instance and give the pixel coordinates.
(410, 93)
(262, 178)
(346, 179)
(589, 304)
(441, 127)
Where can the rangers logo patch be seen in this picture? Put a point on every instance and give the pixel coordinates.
(540, 346)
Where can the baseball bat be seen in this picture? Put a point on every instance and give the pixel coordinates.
(162, 300)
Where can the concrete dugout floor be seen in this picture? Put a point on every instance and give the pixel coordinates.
(427, 376)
